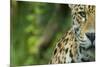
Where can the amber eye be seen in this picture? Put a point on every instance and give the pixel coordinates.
(83, 14)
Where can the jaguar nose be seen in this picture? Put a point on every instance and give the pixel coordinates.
(91, 37)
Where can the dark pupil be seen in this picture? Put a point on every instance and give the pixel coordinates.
(82, 14)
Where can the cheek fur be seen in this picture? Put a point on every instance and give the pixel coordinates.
(85, 42)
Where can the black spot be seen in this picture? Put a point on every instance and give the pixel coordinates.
(78, 21)
(55, 51)
(66, 50)
(59, 45)
(61, 50)
(75, 39)
(72, 61)
(64, 61)
(81, 8)
(66, 40)
(75, 32)
(50, 62)
(71, 46)
(80, 49)
(71, 55)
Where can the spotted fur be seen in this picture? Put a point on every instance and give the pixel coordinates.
(78, 44)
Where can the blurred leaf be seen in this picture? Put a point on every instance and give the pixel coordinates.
(30, 17)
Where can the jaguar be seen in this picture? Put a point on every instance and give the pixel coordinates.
(78, 43)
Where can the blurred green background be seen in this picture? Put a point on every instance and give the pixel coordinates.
(36, 27)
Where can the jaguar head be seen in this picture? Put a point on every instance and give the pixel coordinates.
(83, 17)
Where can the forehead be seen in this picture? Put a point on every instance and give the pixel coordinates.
(78, 8)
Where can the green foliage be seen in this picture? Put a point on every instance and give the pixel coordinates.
(35, 30)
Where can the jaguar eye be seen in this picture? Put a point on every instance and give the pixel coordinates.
(83, 14)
